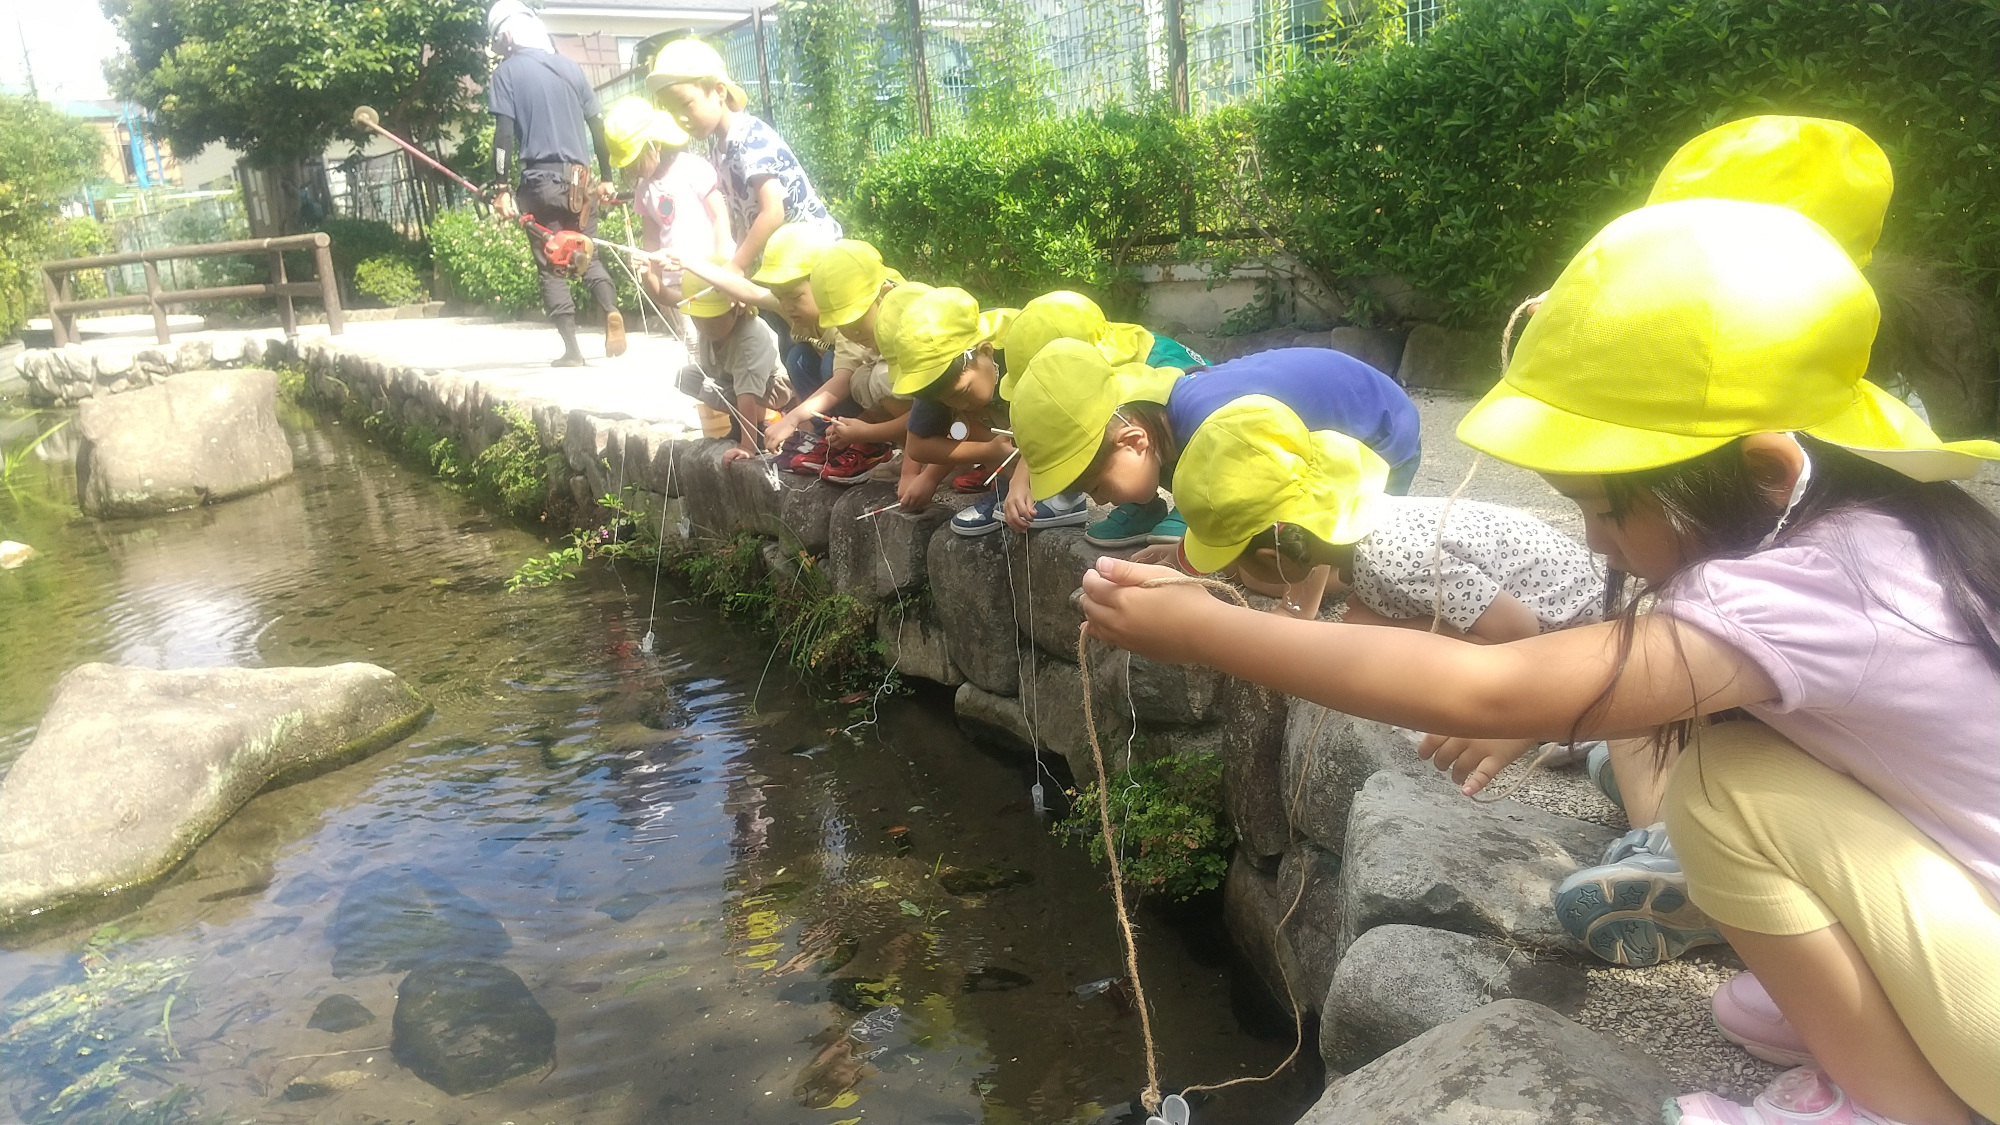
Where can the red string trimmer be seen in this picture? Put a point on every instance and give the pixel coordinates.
(568, 250)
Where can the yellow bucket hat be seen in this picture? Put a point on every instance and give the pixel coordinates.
(792, 252)
(707, 300)
(889, 322)
(1828, 171)
(1686, 325)
(846, 280)
(1253, 464)
(935, 327)
(1063, 315)
(691, 60)
(632, 123)
(1062, 402)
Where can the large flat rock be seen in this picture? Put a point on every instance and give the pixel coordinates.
(197, 438)
(1329, 756)
(1419, 854)
(1398, 982)
(132, 768)
(1509, 1063)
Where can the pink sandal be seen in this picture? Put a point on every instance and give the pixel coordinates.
(1748, 1017)
(1805, 1096)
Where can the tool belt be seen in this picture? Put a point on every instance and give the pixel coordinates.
(576, 178)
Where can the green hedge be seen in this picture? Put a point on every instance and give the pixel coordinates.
(487, 262)
(1474, 163)
(1012, 211)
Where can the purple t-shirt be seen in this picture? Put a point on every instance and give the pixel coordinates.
(1846, 618)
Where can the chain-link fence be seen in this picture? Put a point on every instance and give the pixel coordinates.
(882, 70)
(389, 188)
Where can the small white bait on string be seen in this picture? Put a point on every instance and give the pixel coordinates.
(1037, 796)
(646, 643)
(1173, 1111)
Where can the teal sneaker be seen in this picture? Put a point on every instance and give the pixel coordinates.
(1633, 909)
(1129, 525)
(1170, 530)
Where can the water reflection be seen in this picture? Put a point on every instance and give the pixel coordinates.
(727, 911)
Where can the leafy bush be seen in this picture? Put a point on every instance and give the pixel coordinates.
(45, 157)
(486, 262)
(1009, 212)
(354, 241)
(391, 279)
(1474, 163)
(1173, 832)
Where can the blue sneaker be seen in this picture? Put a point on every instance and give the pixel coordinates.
(1598, 764)
(985, 515)
(1128, 525)
(1633, 908)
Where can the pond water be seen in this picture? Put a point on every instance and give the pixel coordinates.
(714, 889)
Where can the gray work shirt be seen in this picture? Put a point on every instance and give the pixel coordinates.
(549, 100)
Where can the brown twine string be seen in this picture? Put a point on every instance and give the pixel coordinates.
(1150, 1097)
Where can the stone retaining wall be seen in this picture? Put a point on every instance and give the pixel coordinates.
(1364, 886)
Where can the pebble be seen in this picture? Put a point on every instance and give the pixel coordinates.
(1662, 1011)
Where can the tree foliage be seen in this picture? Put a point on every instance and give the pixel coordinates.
(1472, 164)
(279, 79)
(45, 157)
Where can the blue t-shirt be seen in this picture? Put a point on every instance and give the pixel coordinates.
(549, 100)
(1328, 390)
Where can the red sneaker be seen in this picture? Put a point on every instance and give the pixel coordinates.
(852, 465)
(973, 481)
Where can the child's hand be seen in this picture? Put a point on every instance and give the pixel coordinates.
(1473, 761)
(776, 433)
(1163, 623)
(1301, 599)
(1158, 554)
(840, 432)
(1019, 509)
(913, 492)
(735, 453)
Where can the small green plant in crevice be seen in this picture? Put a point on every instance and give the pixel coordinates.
(87, 1050)
(292, 385)
(1173, 832)
(617, 538)
(819, 631)
(546, 570)
(514, 470)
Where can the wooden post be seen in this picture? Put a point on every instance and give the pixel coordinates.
(56, 333)
(763, 67)
(160, 330)
(69, 319)
(920, 75)
(1177, 56)
(287, 316)
(329, 288)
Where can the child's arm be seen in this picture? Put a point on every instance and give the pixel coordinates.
(1506, 619)
(731, 284)
(750, 421)
(828, 396)
(1541, 687)
(943, 450)
(770, 216)
(918, 483)
(857, 431)
(1020, 502)
(718, 221)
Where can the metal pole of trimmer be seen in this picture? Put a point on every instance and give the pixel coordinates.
(567, 250)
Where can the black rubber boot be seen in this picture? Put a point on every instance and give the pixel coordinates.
(566, 327)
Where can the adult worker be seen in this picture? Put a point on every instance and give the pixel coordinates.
(546, 119)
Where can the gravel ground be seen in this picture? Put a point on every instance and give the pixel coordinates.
(1663, 1012)
(1564, 790)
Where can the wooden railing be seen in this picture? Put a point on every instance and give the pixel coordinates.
(63, 311)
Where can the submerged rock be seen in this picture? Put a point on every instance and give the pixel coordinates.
(391, 920)
(466, 1026)
(627, 906)
(995, 979)
(195, 439)
(340, 1012)
(132, 768)
(1508, 1061)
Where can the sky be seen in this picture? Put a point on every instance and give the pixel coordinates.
(67, 42)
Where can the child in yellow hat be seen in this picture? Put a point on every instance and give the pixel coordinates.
(1693, 381)
(681, 212)
(762, 179)
(1067, 315)
(736, 368)
(1117, 433)
(944, 351)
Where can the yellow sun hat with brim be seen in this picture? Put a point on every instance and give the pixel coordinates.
(1063, 401)
(792, 252)
(707, 301)
(937, 326)
(846, 280)
(889, 321)
(691, 60)
(1063, 315)
(1683, 326)
(632, 123)
(1253, 464)
(1828, 171)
